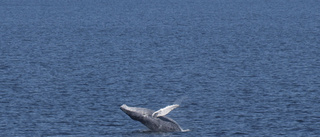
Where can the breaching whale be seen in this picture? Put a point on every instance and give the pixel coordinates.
(154, 120)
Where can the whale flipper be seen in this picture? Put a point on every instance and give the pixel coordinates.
(164, 111)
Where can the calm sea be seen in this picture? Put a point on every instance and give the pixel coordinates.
(238, 67)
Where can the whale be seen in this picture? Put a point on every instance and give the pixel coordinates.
(154, 120)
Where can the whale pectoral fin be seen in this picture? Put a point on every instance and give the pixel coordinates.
(164, 111)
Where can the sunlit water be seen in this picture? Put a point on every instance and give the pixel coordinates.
(242, 67)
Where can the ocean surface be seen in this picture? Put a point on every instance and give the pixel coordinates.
(237, 67)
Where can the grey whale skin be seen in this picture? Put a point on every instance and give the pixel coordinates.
(159, 124)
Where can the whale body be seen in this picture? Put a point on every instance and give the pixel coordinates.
(154, 120)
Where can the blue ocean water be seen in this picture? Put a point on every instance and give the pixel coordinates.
(241, 67)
